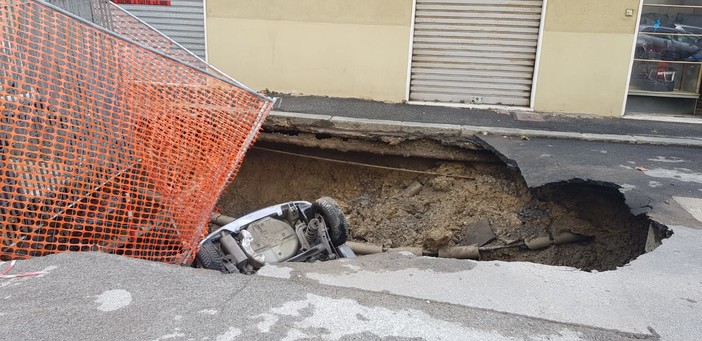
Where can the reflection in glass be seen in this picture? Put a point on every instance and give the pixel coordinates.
(662, 76)
(670, 33)
(673, 2)
(668, 54)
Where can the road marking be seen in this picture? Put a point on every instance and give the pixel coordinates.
(208, 312)
(681, 174)
(268, 321)
(672, 159)
(229, 335)
(334, 319)
(112, 300)
(626, 188)
(277, 271)
(654, 184)
(175, 335)
(691, 205)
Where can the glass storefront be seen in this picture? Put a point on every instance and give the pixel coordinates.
(666, 73)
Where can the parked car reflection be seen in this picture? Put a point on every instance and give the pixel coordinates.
(667, 43)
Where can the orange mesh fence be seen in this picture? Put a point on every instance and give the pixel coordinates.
(106, 145)
(131, 27)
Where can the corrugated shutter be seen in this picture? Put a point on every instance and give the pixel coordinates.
(96, 11)
(183, 21)
(475, 51)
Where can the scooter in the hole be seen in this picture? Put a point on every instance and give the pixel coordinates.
(296, 231)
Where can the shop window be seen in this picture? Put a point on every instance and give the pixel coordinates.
(668, 55)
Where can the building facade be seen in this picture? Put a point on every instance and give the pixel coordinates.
(560, 56)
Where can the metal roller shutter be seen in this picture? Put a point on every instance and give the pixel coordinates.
(96, 11)
(183, 21)
(474, 51)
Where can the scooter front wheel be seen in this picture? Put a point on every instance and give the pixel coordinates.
(334, 218)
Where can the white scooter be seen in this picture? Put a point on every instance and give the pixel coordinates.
(296, 231)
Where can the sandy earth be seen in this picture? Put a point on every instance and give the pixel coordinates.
(397, 208)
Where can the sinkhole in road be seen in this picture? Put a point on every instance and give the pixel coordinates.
(435, 193)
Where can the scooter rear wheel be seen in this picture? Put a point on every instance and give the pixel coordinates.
(209, 258)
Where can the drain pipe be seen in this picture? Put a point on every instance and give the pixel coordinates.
(459, 252)
(220, 219)
(365, 248)
(369, 249)
(558, 239)
(470, 251)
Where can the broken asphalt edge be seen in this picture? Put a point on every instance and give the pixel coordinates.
(345, 126)
(625, 196)
(349, 123)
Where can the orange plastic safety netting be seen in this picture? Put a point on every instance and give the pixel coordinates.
(133, 28)
(106, 145)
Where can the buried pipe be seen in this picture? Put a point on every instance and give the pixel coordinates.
(417, 251)
(559, 239)
(365, 248)
(369, 249)
(220, 219)
(470, 251)
(460, 252)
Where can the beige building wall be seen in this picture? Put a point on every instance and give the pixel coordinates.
(585, 56)
(336, 48)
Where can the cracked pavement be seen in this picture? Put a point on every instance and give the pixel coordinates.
(93, 296)
(154, 301)
(650, 177)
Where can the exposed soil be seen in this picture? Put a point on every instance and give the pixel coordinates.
(402, 208)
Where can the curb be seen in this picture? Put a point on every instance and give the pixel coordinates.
(468, 131)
